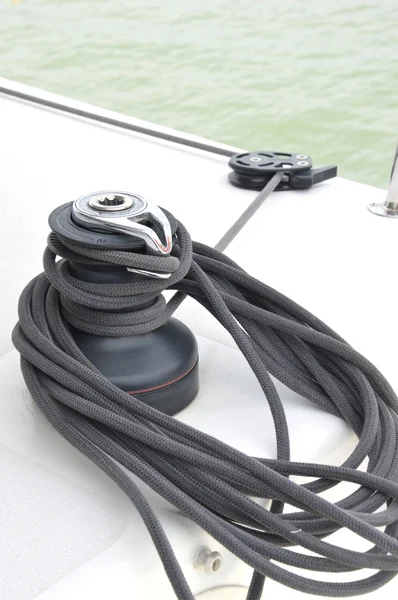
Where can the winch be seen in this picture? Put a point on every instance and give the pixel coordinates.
(160, 365)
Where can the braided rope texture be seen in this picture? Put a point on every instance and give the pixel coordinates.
(210, 482)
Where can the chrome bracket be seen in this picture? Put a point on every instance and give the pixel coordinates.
(130, 214)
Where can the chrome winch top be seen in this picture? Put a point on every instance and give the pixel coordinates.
(127, 213)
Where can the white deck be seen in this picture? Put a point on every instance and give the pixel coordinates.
(66, 531)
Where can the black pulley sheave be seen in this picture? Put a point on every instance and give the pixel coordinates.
(253, 170)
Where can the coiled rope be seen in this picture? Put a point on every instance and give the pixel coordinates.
(208, 481)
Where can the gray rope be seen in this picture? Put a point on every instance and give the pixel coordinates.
(207, 480)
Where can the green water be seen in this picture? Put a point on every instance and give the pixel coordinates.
(310, 76)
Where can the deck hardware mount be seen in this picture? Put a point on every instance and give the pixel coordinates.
(253, 170)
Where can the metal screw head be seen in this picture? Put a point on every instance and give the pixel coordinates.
(110, 202)
(255, 159)
(208, 560)
(302, 163)
(301, 156)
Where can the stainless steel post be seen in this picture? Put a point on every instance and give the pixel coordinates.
(389, 208)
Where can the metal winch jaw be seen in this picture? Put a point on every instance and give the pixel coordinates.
(129, 214)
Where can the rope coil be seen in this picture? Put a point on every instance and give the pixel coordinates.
(207, 480)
